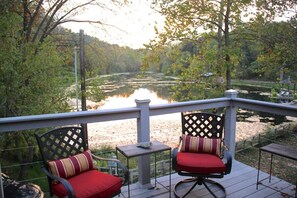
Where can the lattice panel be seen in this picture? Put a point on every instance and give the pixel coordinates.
(203, 125)
(62, 142)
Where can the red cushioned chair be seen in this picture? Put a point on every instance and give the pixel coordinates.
(70, 166)
(199, 154)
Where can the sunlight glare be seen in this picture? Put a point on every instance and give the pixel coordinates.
(119, 101)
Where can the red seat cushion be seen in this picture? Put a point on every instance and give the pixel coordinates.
(90, 184)
(201, 163)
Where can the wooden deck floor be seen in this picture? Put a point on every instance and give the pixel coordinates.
(240, 183)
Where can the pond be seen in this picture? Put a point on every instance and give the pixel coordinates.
(121, 90)
(258, 93)
(154, 86)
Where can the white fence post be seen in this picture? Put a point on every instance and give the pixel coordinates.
(230, 122)
(143, 135)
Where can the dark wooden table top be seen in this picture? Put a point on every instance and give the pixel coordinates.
(282, 150)
(133, 150)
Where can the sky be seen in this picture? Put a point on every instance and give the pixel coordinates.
(131, 25)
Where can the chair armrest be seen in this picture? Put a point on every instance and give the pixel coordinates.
(228, 161)
(174, 156)
(118, 162)
(227, 158)
(61, 180)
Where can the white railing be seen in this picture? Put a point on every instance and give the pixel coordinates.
(142, 113)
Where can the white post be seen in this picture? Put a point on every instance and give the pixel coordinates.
(230, 122)
(143, 135)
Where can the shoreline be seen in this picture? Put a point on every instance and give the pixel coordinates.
(165, 128)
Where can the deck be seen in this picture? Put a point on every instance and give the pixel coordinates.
(240, 183)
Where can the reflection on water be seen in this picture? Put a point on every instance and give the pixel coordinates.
(122, 90)
(125, 84)
(258, 93)
(119, 101)
(255, 93)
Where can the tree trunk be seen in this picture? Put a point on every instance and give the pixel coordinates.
(219, 78)
(220, 39)
(227, 58)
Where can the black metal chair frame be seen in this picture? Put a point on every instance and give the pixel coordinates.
(204, 125)
(64, 142)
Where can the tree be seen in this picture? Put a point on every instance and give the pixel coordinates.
(42, 17)
(270, 10)
(278, 49)
(29, 84)
(32, 63)
(187, 20)
(276, 25)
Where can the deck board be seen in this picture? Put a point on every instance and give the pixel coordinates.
(241, 182)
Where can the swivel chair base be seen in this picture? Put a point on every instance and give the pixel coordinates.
(200, 181)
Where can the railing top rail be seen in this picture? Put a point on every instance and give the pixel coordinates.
(262, 106)
(160, 109)
(60, 119)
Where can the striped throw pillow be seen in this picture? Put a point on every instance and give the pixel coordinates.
(201, 145)
(72, 165)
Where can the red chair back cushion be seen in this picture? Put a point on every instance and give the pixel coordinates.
(72, 165)
(201, 145)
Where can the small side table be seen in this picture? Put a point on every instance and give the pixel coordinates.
(280, 150)
(133, 150)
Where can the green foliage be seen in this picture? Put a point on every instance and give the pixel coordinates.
(197, 82)
(95, 94)
(188, 20)
(273, 93)
(30, 80)
(258, 48)
(103, 58)
(29, 84)
(278, 46)
(195, 64)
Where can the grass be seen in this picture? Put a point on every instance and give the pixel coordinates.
(282, 168)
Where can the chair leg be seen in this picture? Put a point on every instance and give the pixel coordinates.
(204, 181)
(186, 181)
(199, 181)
